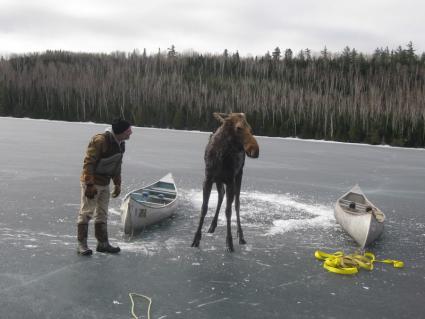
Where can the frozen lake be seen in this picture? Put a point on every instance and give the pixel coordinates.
(286, 210)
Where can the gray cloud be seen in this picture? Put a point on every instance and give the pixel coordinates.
(249, 26)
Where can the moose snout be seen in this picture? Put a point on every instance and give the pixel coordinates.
(251, 147)
(253, 151)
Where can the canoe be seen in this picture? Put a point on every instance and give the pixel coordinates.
(362, 220)
(149, 205)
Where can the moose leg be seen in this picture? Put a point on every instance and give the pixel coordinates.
(220, 190)
(237, 206)
(229, 202)
(206, 196)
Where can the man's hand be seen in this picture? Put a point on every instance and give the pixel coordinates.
(90, 191)
(116, 192)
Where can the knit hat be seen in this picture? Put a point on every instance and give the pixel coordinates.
(120, 126)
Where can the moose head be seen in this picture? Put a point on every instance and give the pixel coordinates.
(237, 123)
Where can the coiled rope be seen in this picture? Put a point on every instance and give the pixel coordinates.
(131, 294)
(350, 264)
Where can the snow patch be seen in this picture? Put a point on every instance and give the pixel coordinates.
(278, 213)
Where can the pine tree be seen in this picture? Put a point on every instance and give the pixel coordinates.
(172, 52)
(276, 54)
(288, 55)
(324, 53)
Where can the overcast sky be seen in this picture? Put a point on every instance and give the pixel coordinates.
(252, 27)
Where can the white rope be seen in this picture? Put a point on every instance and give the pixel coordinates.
(131, 294)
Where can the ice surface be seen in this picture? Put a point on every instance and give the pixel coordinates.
(286, 212)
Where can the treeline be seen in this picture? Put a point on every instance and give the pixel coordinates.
(346, 96)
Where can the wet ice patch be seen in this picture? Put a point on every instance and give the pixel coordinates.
(70, 204)
(296, 215)
(277, 213)
(114, 211)
(30, 246)
(26, 238)
(195, 196)
(153, 245)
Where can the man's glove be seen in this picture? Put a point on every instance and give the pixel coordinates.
(90, 191)
(116, 191)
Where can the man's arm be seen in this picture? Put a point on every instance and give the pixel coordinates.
(93, 154)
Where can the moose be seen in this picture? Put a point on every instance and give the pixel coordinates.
(224, 161)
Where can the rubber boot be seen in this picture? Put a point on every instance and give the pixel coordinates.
(82, 231)
(103, 246)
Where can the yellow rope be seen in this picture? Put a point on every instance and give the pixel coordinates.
(350, 264)
(131, 294)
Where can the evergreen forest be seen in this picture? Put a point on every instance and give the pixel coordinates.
(376, 98)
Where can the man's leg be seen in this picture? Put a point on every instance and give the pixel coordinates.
(87, 208)
(101, 222)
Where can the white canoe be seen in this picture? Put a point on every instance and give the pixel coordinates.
(149, 205)
(362, 220)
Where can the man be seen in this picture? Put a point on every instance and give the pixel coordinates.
(101, 164)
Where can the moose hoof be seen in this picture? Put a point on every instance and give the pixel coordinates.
(229, 245)
(196, 239)
(229, 249)
(195, 242)
(242, 241)
(211, 230)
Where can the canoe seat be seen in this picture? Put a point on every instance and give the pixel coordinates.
(160, 199)
(358, 206)
(152, 204)
(361, 209)
(161, 190)
(150, 198)
(354, 197)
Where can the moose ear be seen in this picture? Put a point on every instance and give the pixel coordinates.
(220, 116)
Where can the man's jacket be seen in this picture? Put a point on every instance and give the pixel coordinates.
(103, 160)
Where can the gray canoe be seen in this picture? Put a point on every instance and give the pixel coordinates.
(362, 220)
(149, 205)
